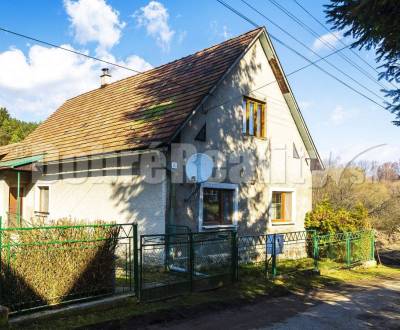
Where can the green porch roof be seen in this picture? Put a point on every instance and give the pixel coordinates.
(21, 161)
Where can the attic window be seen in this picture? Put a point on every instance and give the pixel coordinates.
(253, 117)
(295, 152)
(202, 134)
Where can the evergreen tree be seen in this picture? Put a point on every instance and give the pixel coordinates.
(374, 24)
(13, 130)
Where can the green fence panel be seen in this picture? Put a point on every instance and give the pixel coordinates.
(50, 265)
(179, 263)
(345, 249)
(277, 254)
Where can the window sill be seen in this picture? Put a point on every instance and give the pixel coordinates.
(282, 223)
(253, 137)
(41, 213)
(218, 226)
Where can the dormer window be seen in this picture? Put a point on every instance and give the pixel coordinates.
(253, 117)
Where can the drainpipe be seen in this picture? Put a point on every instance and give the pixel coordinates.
(18, 199)
(171, 193)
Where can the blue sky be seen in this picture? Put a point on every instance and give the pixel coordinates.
(35, 80)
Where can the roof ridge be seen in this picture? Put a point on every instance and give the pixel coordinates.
(168, 63)
(122, 117)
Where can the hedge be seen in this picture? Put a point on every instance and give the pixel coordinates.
(49, 266)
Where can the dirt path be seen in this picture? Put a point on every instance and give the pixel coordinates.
(352, 307)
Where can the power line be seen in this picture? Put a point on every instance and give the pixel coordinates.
(66, 49)
(275, 81)
(326, 43)
(301, 55)
(77, 53)
(338, 39)
(311, 50)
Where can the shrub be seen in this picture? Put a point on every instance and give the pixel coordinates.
(49, 266)
(327, 220)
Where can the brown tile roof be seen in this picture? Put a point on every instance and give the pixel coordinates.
(135, 112)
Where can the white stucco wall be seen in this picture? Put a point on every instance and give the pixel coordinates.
(108, 198)
(275, 167)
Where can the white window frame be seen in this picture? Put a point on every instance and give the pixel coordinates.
(37, 197)
(218, 185)
(294, 200)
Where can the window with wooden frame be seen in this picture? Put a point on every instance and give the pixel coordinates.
(281, 206)
(253, 116)
(218, 206)
(44, 199)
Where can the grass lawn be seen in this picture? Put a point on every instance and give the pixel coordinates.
(252, 284)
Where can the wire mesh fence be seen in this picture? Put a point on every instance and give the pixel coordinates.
(276, 254)
(50, 265)
(42, 266)
(346, 249)
(174, 264)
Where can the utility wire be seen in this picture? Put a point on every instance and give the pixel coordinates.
(275, 81)
(327, 43)
(300, 55)
(66, 49)
(76, 52)
(338, 39)
(311, 50)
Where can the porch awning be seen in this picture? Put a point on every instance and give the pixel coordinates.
(21, 161)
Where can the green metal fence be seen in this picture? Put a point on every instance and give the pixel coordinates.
(42, 266)
(49, 265)
(174, 264)
(285, 253)
(344, 249)
(276, 254)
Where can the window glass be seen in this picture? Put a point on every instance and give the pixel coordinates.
(281, 206)
(244, 119)
(276, 205)
(44, 199)
(217, 206)
(295, 152)
(259, 114)
(251, 118)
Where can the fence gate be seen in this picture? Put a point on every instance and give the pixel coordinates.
(175, 264)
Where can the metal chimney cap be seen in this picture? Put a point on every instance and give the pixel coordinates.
(106, 72)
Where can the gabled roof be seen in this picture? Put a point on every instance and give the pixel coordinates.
(149, 109)
(136, 112)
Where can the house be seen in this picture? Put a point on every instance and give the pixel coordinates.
(118, 153)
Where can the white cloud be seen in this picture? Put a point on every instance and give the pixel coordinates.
(225, 33)
(305, 105)
(220, 31)
(338, 115)
(327, 39)
(134, 62)
(355, 152)
(154, 17)
(34, 85)
(182, 36)
(94, 21)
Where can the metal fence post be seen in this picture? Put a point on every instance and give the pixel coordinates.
(235, 259)
(191, 260)
(315, 250)
(274, 256)
(266, 263)
(1, 258)
(135, 259)
(348, 250)
(372, 244)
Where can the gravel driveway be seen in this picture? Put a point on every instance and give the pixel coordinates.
(372, 305)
